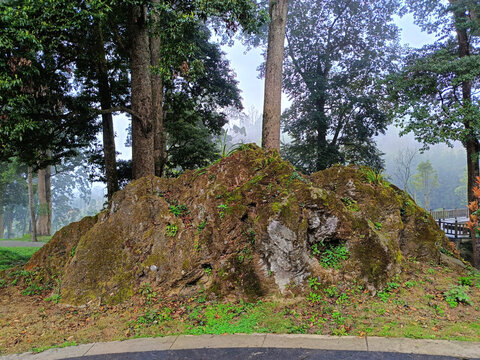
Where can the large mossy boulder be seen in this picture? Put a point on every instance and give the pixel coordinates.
(247, 226)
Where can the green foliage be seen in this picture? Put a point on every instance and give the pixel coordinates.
(38, 109)
(378, 225)
(33, 289)
(55, 298)
(171, 230)
(154, 316)
(332, 256)
(315, 250)
(147, 291)
(72, 252)
(62, 345)
(409, 284)
(331, 73)
(373, 176)
(313, 283)
(179, 210)
(314, 298)
(350, 203)
(425, 181)
(222, 209)
(387, 292)
(202, 225)
(297, 176)
(420, 93)
(331, 291)
(457, 294)
(227, 318)
(225, 150)
(10, 257)
(465, 280)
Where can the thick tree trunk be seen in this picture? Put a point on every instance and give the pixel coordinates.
(272, 105)
(43, 207)
(105, 95)
(157, 100)
(471, 143)
(33, 222)
(473, 169)
(142, 124)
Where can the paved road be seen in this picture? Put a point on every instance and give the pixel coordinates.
(11, 243)
(262, 354)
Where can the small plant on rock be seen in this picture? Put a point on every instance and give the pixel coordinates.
(171, 230)
(178, 210)
(222, 209)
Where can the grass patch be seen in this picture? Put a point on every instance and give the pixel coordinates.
(64, 345)
(28, 237)
(12, 256)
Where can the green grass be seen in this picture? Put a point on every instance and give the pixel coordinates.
(63, 345)
(28, 237)
(11, 256)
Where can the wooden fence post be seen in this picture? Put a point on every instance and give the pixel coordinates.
(456, 228)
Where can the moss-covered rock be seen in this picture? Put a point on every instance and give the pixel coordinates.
(247, 226)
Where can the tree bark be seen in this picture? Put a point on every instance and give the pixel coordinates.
(25, 222)
(272, 105)
(1, 223)
(142, 124)
(33, 222)
(48, 187)
(105, 95)
(43, 207)
(157, 100)
(9, 223)
(471, 143)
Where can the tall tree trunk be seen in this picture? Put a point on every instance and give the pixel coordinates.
(272, 105)
(142, 124)
(43, 207)
(25, 222)
(1, 222)
(9, 223)
(48, 190)
(157, 99)
(105, 95)
(33, 222)
(471, 144)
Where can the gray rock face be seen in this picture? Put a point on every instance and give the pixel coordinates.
(285, 255)
(321, 227)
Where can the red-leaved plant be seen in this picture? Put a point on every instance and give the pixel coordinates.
(473, 223)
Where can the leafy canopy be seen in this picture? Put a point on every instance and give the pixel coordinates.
(336, 51)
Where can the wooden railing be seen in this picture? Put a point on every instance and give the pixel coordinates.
(450, 213)
(454, 229)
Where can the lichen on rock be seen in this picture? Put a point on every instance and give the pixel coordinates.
(245, 227)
